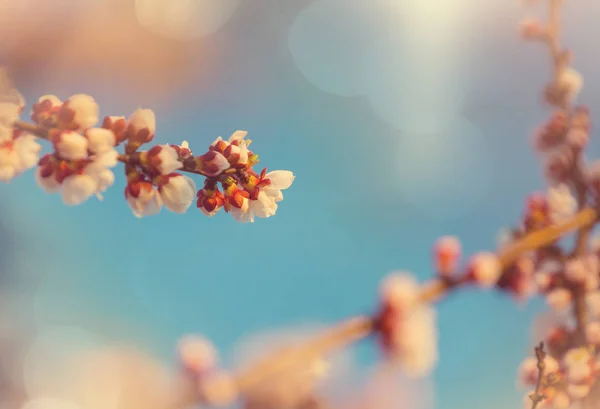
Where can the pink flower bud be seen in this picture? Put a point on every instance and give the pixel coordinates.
(210, 200)
(237, 155)
(118, 125)
(164, 159)
(142, 125)
(485, 269)
(447, 251)
(399, 290)
(183, 150)
(212, 163)
(45, 110)
(532, 30)
(197, 355)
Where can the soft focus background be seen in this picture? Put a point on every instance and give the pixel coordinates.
(403, 120)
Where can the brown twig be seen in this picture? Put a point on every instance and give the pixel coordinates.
(537, 397)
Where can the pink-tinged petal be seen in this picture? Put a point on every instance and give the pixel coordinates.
(77, 189)
(280, 179)
(237, 135)
(264, 206)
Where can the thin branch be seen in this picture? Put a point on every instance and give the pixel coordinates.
(537, 397)
(357, 328)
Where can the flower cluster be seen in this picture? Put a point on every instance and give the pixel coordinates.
(85, 152)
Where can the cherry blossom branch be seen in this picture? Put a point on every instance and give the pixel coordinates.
(83, 156)
(483, 269)
(127, 159)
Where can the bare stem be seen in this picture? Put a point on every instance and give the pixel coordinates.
(537, 396)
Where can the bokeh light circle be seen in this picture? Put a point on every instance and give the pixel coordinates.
(446, 174)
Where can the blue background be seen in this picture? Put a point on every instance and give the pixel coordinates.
(369, 197)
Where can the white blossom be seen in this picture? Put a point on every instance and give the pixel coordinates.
(399, 290)
(485, 269)
(559, 299)
(178, 193)
(146, 202)
(415, 343)
(561, 203)
(72, 146)
(197, 354)
(76, 189)
(572, 82)
(219, 389)
(85, 108)
(48, 184)
(528, 372)
(100, 140)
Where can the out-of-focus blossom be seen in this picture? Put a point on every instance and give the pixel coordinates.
(561, 203)
(559, 299)
(406, 326)
(447, 251)
(485, 269)
(552, 134)
(532, 30)
(197, 354)
(18, 155)
(578, 138)
(593, 303)
(528, 372)
(592, 333)
(558, 165)
(399, 290)
(577, 363)
(218, 389)
(571, 82)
